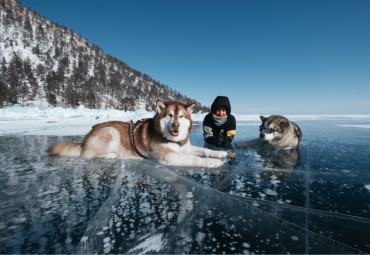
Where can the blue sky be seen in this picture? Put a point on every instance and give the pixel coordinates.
(268, 57)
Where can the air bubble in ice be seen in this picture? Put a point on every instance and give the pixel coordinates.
(270, 192)
(189, 194)
(246, 245)
(200, 236)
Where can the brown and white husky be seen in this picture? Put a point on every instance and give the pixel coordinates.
(165, 137)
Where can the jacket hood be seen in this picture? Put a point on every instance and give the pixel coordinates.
(221, 101)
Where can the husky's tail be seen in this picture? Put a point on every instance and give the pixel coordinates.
(65, 149)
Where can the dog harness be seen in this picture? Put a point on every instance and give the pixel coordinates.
(132, 128)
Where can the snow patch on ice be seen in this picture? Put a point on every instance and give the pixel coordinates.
(355, 126)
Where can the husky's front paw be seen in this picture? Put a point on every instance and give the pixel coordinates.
(211, 162)
(220, 154)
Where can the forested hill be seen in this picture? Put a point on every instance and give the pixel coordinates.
(44, 62)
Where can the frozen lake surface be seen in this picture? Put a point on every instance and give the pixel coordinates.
(313, 201)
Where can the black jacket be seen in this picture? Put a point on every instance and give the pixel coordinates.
(219, 135)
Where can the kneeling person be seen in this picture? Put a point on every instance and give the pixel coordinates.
(219, 125)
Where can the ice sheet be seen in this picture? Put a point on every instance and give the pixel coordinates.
(264, 202)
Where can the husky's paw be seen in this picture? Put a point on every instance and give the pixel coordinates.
(211, 162)
(109, 155)
(219, 154)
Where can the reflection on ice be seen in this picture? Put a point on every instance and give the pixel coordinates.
(270, 157)
(257, 204)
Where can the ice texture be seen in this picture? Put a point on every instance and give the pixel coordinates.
(264, 201)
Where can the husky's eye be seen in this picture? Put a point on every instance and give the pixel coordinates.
(181, 116)
(169, 115)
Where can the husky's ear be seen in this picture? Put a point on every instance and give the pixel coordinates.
(160, 106)
(284, 125)
(263, 118)
(190, 108)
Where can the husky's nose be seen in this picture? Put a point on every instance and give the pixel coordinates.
(176, 125)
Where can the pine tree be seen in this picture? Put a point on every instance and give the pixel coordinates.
(28, 33)
(23, 92)
(52, 99)
(3, 94)
(3, 66)
(40, 34)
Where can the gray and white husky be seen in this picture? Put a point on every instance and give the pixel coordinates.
(277, 144)
(277, 131)
(165, 137)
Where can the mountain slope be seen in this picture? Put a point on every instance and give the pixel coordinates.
(43, 62)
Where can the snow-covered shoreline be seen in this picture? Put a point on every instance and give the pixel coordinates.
(42, 120)
(18, 112)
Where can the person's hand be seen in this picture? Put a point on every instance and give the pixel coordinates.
(223, 141)
(219, 141)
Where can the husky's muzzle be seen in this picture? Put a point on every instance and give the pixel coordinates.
(175, 128)
(264, 130)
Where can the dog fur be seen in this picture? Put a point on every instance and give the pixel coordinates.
(165, 137)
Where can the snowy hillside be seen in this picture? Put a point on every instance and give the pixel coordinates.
(44, 63)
